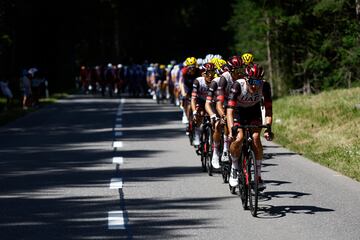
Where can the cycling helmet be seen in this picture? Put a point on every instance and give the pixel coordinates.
(200, 61)
(235, 62)
(254, 71)
(218, 62)
(190, 61)
(209, 67)
(247, 58)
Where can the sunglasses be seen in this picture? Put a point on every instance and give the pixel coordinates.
(209, 73)
(237, 70)
(256, 82)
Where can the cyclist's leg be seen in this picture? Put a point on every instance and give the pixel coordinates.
(258, 150)
(225, 153)
(235, 149)
(216, 141)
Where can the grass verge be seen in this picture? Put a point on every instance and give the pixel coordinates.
(323, 127)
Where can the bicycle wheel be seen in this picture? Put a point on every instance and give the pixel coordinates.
(191, 133)
(243, 187)
(202, 148)
(208, 149)
(253, 184)
(225, 171)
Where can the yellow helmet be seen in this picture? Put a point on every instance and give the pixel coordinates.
(247, 58)
(218, 62)
(190, 61)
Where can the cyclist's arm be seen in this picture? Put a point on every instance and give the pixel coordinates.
(210, 98)
(194, 94)
(221, 96)
(234, 92)
(181, 84)
(267, 103)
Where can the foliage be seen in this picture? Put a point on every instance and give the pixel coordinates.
(316, 42)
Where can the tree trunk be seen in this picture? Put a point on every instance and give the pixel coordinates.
(269, 52)
(116, 34)
(357, 7)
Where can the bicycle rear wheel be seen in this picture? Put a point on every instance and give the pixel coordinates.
(253, 184)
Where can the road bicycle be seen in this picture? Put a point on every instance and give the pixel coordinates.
(248, 174)
(206, 144)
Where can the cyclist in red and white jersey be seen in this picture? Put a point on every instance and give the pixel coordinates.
(210, 107)
(198, 97)
(244, 107)
(233, 71)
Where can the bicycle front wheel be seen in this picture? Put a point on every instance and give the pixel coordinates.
(253, 184)
(209, 149)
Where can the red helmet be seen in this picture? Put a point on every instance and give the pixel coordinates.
(208, 67)
(235, 62)
(255, 71)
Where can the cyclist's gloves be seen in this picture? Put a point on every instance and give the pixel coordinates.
(268, 134)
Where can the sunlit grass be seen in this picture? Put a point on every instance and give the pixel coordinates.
(323, 127)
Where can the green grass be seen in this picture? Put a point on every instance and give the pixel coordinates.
(324, 128)
(15, 110)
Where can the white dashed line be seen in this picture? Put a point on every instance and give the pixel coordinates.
(116, 183)
(118, 160)
(118, 134)
(119, 119)
(116, 220)
(118, 144)
(118, 126)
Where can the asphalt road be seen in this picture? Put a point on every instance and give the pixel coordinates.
(58, 180)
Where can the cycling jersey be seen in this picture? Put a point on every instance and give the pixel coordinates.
(247, 104)
(211, 94)
(199, 91)
(224, 86)
(187, 79)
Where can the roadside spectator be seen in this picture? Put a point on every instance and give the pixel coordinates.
(4, 86)
(25, 85)
(37, 87)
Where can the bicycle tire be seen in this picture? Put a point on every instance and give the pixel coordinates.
(253, 190)
(202, 153)
(208, 150)
(191, 133)
(243, 187)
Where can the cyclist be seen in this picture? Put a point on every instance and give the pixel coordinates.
(231, 72)
(244, 107)
(211, 110)
(198, 97)
(188, 74)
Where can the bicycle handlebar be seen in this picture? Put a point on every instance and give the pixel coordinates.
(235, 128)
